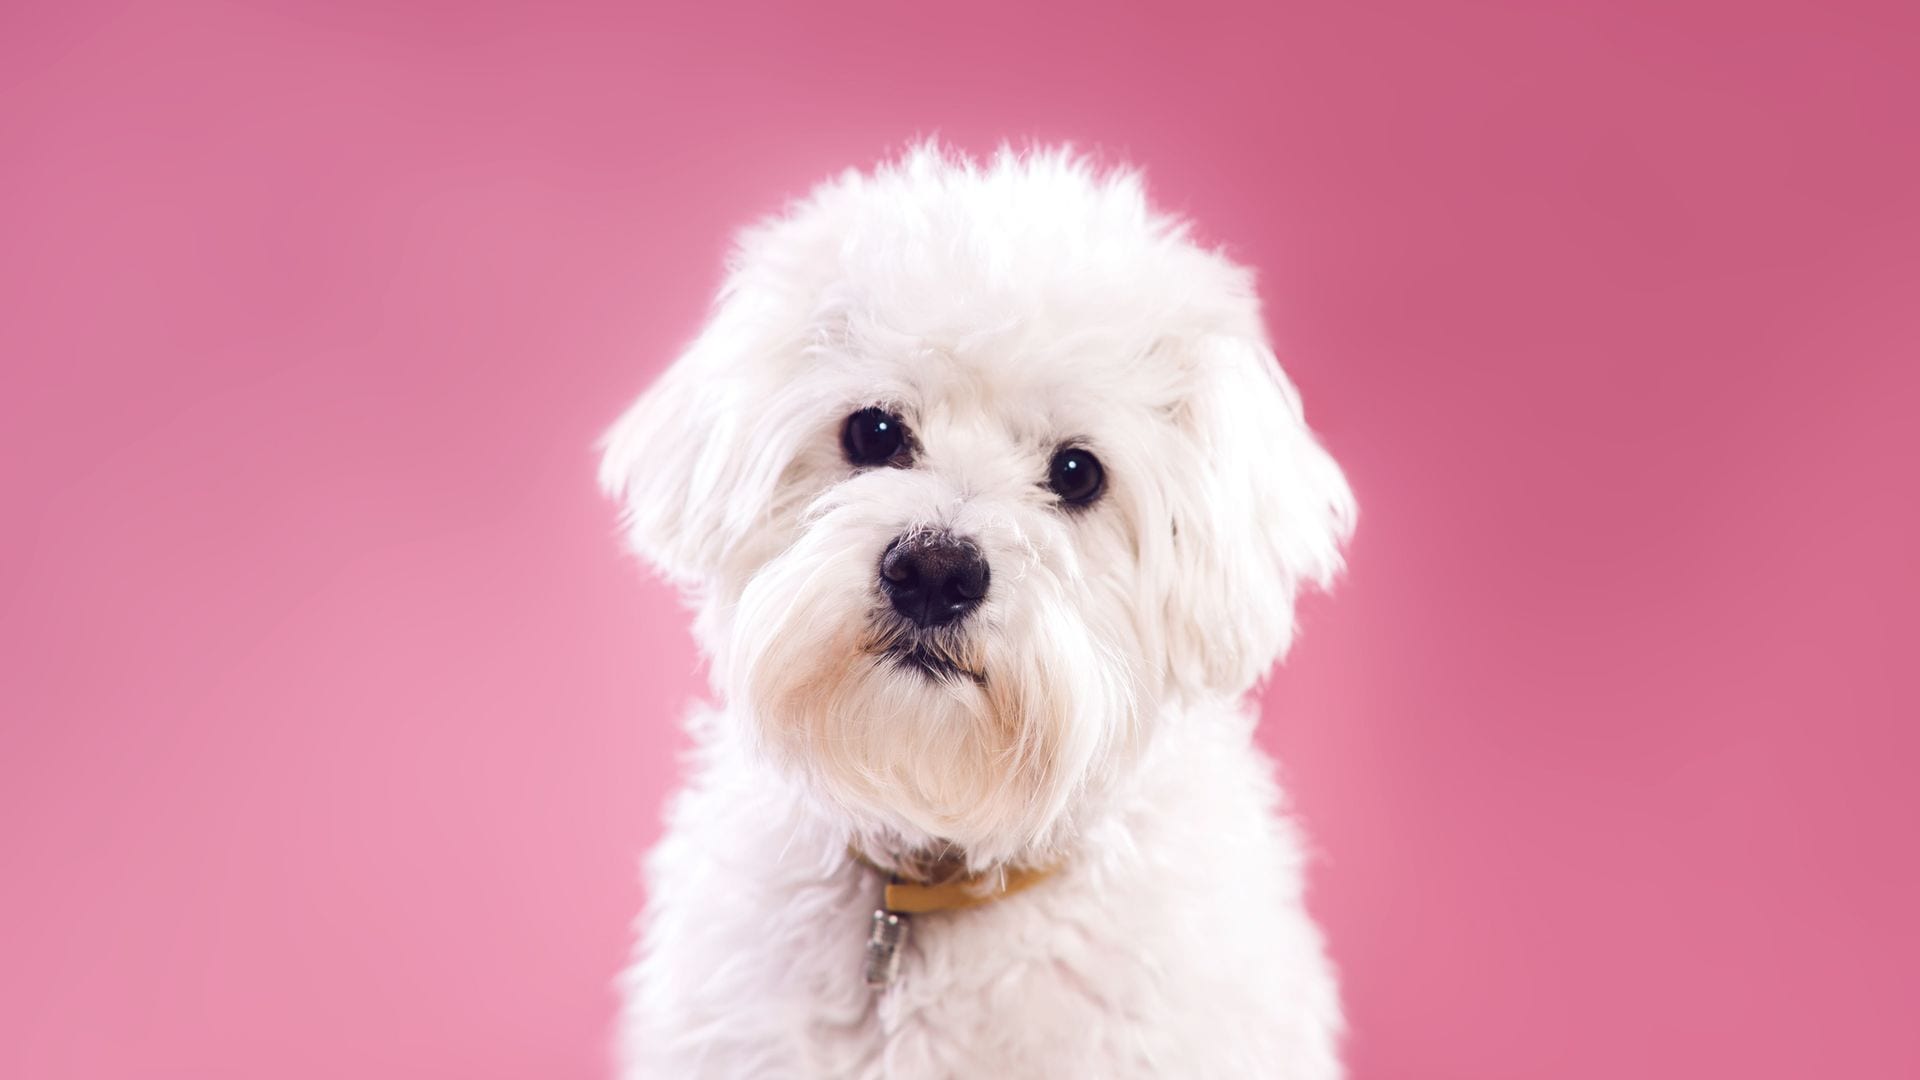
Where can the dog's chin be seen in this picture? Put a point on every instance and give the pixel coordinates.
(908, 734)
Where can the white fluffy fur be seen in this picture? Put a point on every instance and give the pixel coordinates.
(1000, 309)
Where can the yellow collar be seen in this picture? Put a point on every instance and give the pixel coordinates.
(947, 885)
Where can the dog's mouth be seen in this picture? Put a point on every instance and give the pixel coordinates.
(932, 664)
(937, 654)
(931, 654)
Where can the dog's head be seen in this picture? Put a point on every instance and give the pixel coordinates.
(974, 470)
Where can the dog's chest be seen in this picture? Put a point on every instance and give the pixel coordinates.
(1020, 988)
(1129, 962)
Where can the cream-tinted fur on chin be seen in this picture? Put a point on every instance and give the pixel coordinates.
(1094, 717)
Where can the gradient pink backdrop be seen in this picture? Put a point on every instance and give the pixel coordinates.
(333, 722)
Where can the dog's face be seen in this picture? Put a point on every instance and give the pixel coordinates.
(971, 474)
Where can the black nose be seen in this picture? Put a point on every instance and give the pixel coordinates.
(932, 577)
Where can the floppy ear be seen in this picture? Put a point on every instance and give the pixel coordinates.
(1264, 516)
(685, 461)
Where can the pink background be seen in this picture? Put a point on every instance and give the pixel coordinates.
(333, 722)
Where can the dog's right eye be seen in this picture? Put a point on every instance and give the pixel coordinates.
(873, 437)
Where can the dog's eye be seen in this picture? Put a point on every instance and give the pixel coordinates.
(1076, 476)
(873, 437)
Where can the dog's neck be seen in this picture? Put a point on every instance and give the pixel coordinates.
(939, 862)
(920, 880)
(935, 864)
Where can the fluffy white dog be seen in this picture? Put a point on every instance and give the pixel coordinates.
(993, 504)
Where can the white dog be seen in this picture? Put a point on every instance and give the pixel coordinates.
(993, 504)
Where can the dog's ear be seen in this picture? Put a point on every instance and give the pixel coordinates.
(1264, 515)
(691, 462)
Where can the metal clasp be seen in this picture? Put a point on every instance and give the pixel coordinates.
(883, 948)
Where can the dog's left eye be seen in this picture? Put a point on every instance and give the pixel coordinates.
(1076, 476)
(873, 437)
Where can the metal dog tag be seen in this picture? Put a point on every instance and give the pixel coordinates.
(883, 948)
